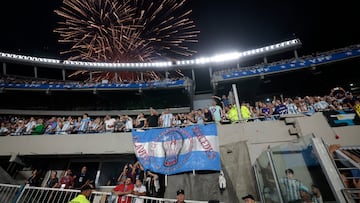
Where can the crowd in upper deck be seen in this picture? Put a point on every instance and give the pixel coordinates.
(222, 110)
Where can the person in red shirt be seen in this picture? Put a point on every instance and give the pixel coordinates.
(67, 181)
(123, 189)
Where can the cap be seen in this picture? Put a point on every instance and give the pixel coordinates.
(303, 188)
(248, 196)
(181, 191)
(86, 187)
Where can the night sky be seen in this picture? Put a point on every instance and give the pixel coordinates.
(27, 26)
(227, 25)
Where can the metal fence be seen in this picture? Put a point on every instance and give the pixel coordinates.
(29, 194)
(9, 192)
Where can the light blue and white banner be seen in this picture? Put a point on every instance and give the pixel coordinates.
(176, 150)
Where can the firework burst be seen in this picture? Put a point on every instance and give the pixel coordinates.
(125, 31)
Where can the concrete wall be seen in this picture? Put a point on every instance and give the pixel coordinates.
(108, 143)
(240, 145)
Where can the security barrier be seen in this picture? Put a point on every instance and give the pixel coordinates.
(29, 194)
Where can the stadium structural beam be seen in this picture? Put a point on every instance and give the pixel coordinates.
(296, 54)
(237, 101)
(210, 73)
(4, 68)
(63, 74)
(193, 74)
(265, 60)
(35, 72)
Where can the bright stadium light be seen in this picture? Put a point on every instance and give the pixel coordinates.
(219, 58)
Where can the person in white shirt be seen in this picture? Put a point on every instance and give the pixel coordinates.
(128, 123)
(30, 125)
(140, 190)
(109, 123)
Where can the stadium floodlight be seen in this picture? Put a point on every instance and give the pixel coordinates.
(219, 58)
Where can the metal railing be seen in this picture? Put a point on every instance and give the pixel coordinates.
(9, 192)
(30, 194)
(352, 195)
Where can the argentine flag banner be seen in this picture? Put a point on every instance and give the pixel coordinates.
(176, 150)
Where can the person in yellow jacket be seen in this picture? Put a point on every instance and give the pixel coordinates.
(86, 191)
(233, 114)
(245, 111)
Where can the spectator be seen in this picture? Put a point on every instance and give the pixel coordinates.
(280, 107)
(292, 186)
(20, 128)
(166, 119)
(82, 178)
(95, 125)
(68, 126)
(128, 123)
(140, 121)
(140, 190)
(138, 171)
(84, 124)
(152, 184)
(4, 131)
(30, 125)
(34, 179)
(316, 197)
(51, 126)
(67, 181)
(109, 123)
(199, 116)
(119, 124)
(39, 127)
(53, 181)
(207, 115)
(124, 189)
(216, 111)
(153, 119)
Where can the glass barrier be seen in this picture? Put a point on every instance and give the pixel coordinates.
(292, 173)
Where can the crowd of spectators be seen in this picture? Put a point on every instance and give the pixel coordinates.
(222, 110)
(133, 179)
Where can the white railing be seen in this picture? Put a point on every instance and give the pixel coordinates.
(8, 192)
(29, 194)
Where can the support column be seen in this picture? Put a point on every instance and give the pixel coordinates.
(237, 101)
(90, 73)
(35, 72)
(4, 68)
(116, 77)
(63, 75)
(265, 60)
(193, 74)
(296, 54)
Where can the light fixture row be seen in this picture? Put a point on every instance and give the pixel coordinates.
(220, 58)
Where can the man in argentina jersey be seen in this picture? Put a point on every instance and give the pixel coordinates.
(292, 187)
(216, 111)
